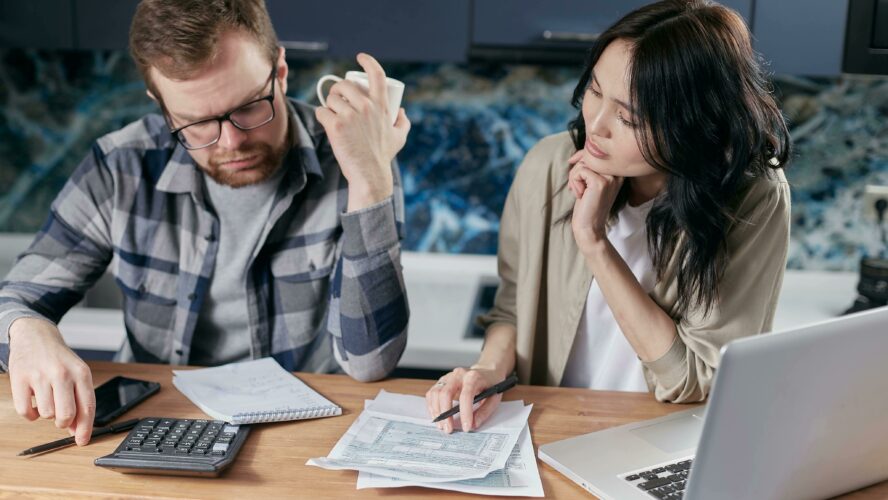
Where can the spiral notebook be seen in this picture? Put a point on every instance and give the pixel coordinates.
(251, 392)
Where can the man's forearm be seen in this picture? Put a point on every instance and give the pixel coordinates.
(373, 319)
(369, 294)
(366, 194)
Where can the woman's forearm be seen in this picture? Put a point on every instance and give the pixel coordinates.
(498, 353)
(649, 330)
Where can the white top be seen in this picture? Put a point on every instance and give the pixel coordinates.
(601, 358)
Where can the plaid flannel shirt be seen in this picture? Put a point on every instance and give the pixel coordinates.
(324, 291)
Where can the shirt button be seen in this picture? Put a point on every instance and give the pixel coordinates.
(191, 296)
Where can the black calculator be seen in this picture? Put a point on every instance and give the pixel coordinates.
(182, 447)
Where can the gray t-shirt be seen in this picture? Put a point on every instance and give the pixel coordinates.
(222, 334)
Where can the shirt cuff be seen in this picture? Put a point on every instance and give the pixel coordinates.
(369, 230)
(670, 368)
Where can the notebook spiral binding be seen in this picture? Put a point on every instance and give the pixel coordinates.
(281, 415)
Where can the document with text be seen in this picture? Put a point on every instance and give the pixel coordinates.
(520, 477)
(394, 438)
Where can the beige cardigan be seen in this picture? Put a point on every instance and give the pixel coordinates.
(544, 279)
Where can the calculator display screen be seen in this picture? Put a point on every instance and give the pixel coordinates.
(118, 394)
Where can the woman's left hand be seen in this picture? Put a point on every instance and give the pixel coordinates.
(595, 194)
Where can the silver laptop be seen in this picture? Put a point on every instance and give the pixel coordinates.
(797, 414)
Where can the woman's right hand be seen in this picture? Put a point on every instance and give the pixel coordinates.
(463, 385)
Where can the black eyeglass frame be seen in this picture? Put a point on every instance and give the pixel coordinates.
(227, 117)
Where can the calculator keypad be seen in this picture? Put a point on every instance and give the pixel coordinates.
(191, 447)
(185, 437)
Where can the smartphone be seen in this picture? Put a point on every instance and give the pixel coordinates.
(118, 395)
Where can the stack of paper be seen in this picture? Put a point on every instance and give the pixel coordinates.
(393, 443)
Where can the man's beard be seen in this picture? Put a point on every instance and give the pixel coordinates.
(269, 161)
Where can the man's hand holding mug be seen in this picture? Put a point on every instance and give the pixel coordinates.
(366, 127)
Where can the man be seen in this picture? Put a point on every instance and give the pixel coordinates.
(239, 224)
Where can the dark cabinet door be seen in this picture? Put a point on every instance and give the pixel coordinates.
(400, 30)
(39, 24)
(801, 37)
(531, 22)
(552, 22)
(103, 24)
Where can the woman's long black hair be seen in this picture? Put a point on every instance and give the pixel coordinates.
(706, 117)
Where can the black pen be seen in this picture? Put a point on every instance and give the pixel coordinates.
(486, 393)
(68, 441)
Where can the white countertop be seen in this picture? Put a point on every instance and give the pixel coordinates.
(442, 288)
(811, 296)
(93, 328)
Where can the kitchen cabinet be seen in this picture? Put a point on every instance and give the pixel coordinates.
(554, 30)
(866, 37)
(66, 24)
(391, 30)
(531, 22)
(39, 24)
(801, 37)
(103, 24)
(545, 24)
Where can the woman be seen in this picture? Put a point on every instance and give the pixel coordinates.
(667, 189)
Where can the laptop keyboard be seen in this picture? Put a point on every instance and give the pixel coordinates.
(663, 482)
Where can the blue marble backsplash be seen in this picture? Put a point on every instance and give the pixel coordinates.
(472, 125)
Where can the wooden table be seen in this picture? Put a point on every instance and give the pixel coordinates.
(272, 462)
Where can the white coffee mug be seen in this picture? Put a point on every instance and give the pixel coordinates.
(394, 88)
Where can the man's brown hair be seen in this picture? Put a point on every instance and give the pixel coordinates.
(179, 37)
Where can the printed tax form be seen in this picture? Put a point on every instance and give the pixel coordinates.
(393, 443)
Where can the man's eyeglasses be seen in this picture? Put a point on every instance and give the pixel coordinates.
(249, 116)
